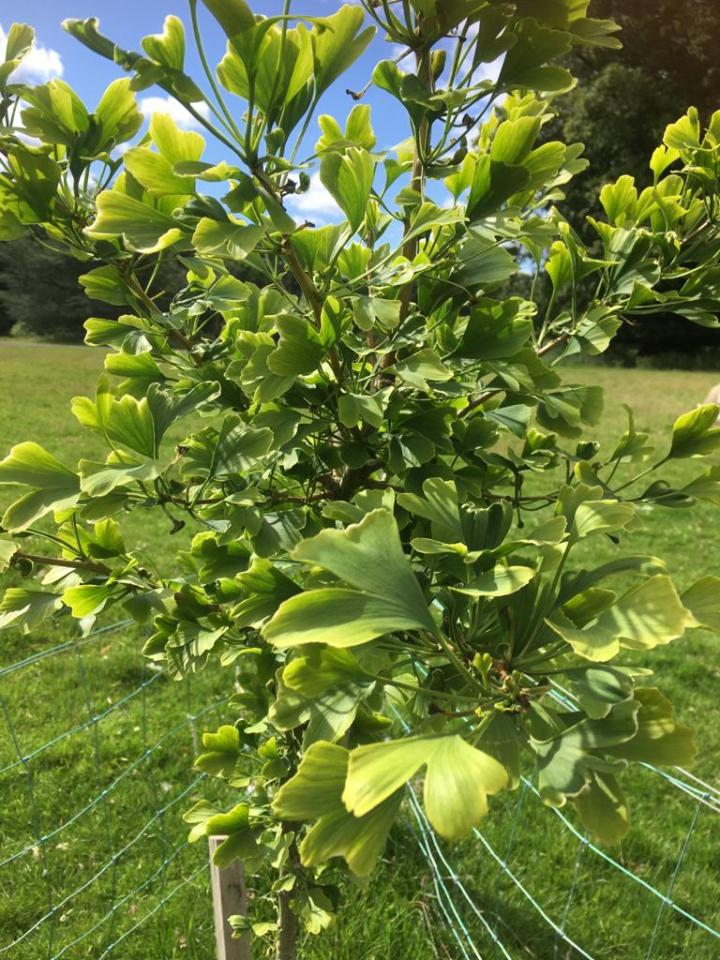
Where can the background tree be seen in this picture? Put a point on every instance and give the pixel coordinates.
(623, 101)
(626, 97)
(6, 321)
(40, 293)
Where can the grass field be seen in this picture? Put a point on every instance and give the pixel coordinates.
(395, 915)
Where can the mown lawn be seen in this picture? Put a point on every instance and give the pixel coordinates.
(57, 700)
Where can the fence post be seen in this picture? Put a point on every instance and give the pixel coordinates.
(229, 898)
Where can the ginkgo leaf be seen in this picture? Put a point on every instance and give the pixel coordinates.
(315, 793)
(337, 617)
(146, 229)
(696, 433)
(226, 238)
(385, 597)
(234, 16)
(369, 556)
(598, 688)
(222, 750)
(603, 808)
(660, 738)
(702, 599)
(499, 582)
(86, 599)
(602, 516)
(568, 761)
(8, 549)
(438, 504)
(27, 607)
(646, 616)
(168, 47)
(300, 349)
(322, 670)
(348, 176)
(458, 779)
(239, 841)
(51, 485)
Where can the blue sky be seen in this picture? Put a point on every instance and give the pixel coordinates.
(126, 21)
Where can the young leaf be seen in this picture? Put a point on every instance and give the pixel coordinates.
(695, 434)
(222, 752)
(646, 616)
(52, 485)
(338, 43)
(225, 238)
(457, 781)
(315, 792)
(234, 16)
(168, 47)
(348, 176)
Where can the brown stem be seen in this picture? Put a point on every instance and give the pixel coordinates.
(410, 247)
(288, 925)
(151, 307)
(274, 498)
(306, 284)
(477, 402)
(553, 343)
(311, 292)
(88, 565)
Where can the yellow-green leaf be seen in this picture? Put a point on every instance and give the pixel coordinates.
(458, 779)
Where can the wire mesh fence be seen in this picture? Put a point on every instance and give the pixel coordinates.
(96, 770)
(533, 884)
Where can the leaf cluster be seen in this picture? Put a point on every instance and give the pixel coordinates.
(386, 476)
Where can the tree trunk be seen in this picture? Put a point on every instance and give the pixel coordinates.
(289, 928)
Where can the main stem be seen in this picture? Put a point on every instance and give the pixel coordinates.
(288, 925)
(410, 247)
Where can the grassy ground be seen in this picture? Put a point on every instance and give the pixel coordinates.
(395, 916)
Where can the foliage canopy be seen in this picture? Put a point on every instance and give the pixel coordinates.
(392, 494)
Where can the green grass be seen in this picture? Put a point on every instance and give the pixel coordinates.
(395, 915)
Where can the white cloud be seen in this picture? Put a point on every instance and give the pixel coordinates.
(316, 203)
(39, 65)
(484, 71)
(403, 55)
(489, 71)
(182, 117)
(120, 150)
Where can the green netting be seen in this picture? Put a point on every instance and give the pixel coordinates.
(663, 928)
(94, 845)
(95, 861)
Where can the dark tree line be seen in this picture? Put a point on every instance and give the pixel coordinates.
(624, 100)
(40, 294)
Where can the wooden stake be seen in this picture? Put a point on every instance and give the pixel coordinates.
(229, 898)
